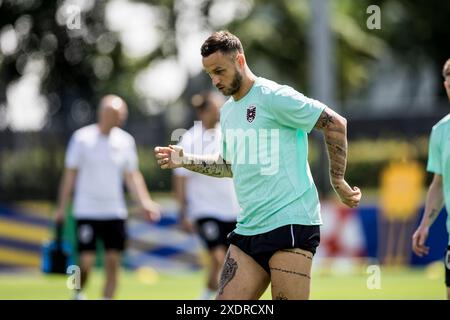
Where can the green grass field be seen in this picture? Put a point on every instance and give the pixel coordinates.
(399, 283)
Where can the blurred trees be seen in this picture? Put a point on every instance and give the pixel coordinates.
(68, 55)
(79, 65)
(413, 31)
(89, 61)
(275, 36)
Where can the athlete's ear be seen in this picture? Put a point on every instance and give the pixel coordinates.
(240, 58)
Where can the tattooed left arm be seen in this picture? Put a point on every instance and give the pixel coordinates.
(334, 128)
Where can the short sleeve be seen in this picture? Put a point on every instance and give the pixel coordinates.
(132, 163)
(73, 153)
(434, 153)
(292, 109)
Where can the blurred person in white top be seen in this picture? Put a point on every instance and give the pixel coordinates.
(207, 205)
(99, 159)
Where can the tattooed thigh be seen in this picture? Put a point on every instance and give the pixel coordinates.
(228, 272)
(241, 278)
(290, 272)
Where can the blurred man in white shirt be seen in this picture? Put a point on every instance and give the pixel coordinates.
(99, 159)
(207, 205)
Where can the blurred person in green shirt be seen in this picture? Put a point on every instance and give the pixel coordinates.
(439, 190)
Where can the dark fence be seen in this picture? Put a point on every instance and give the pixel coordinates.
(31, 163)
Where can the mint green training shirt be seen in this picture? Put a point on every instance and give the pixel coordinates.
(265, 138)
(439, 158)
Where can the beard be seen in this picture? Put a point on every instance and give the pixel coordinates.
(234, 86)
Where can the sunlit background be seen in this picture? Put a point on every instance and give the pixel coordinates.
(58, 58)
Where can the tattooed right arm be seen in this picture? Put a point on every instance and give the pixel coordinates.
(172, 157)
(208, 165)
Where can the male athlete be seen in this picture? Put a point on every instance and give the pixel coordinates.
(439, 190)
(265, 149)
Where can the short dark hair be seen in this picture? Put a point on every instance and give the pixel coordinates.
(446, 69)
(223, 41)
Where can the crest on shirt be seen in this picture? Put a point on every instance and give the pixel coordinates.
(251, 113)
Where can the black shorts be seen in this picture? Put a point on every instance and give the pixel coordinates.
(110, 232)
(214, 232)
(261, 247)
(447, 267)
